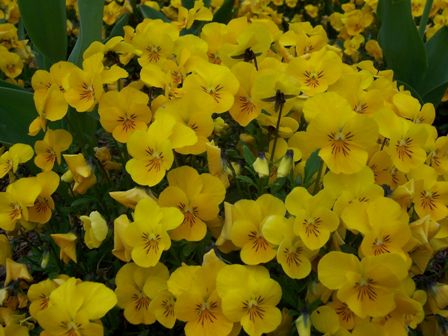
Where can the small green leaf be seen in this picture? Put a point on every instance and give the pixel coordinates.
(402, 46)
(249, 157)
(312, 166)
(246, 180)
(225, 13)
(117, 29)
(91, 24)
(151, 13)
(45, 22)
(17, 111)
(435, 81)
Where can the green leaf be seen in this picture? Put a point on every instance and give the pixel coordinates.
(6, 84)
(246, 180)
(91, 24)
(151, 13)
(249, 157)
(45, 22)
(117, 29)
(188, 4)
(225, 13)
(435, 80)
(16, 113)
(312, 166)
(402, 46)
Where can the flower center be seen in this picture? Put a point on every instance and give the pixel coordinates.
(155, 159)
(151, 242)
(340, 142)
(312, 78)
(141, 301)
(253, 308)
(403, 148)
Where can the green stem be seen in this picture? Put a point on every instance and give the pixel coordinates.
(424, 18)
(277, 126)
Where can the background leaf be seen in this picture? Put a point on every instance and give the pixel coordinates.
(225, 13)
(117, 29)
(151, 13)
(435, 80)
(312, 166)
(91, 24)
(402, 46)
(17, 111)
(45, 22)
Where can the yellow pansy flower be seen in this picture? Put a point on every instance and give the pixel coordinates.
(430, 196)
(244, 108)
(316, 73)
(198, 117)
(197, 197)
(14, 202)
(344, 138)
(15, 271)
(149, 237)
(122, 113)
(212, 85)
(302, 38)
(15, 155)
(10, 63)
(197, 300)
(385, 171)
(129, 198)
(437, 154)
(292, 254)
(67, 245)
(43, 206)
(84, 88)
(368, 286)
(249, 296)
(48, 150)
(96, 229)
(75, 308)
(248, 219)
(407, 140)
(113, 47)
(186, 17)
(134, 288)
(80, 171)
(152, 151)
(314, 221)
(383, 224)
(347, 190)
(39, 296)
(121, 250)
(159, 46)
(409, 108)
(49, 88)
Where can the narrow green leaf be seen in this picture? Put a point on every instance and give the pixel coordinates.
(151, 13)
(311, 167)
(45, 22)
(16, 113)
(402, 46)
(91, 24)
(117, 29)
(225, 13)
(249, 157)
(435, 80)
